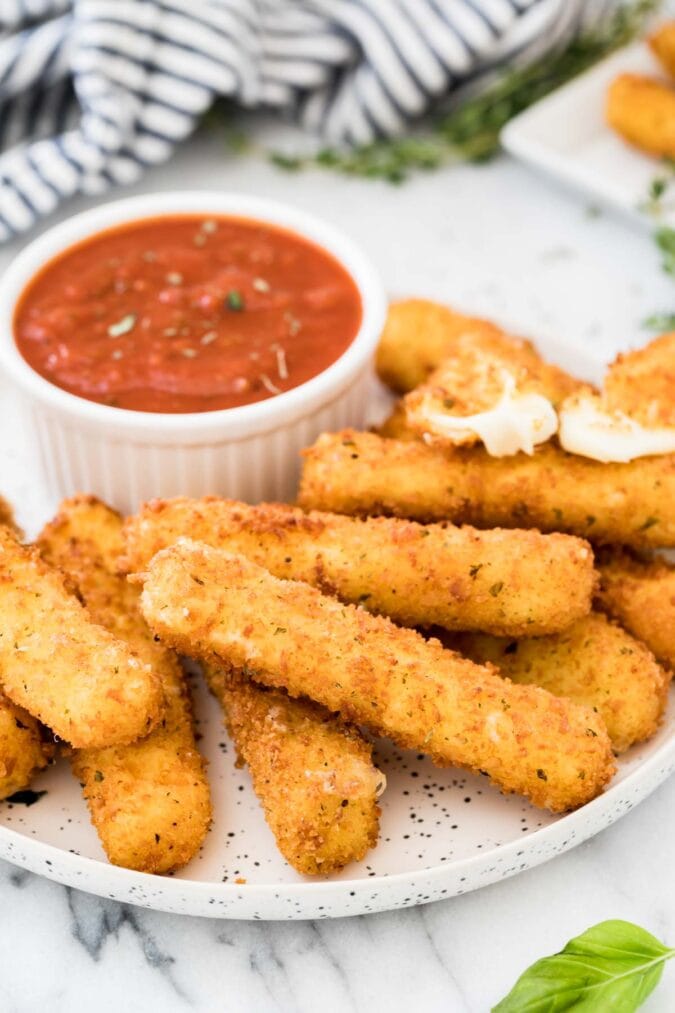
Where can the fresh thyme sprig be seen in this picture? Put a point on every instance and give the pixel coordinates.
(470, 131)
(659, 188)
(661, 322)
(665, 240)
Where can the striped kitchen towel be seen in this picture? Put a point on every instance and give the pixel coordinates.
(92, 91)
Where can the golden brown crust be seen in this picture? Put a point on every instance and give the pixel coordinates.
(207, 602)
(593, 662)
(364, 474)
(474, 378)
(419, 334)
(7, 517)
(313, 774)
(640, 594)
(642, 383)
(23, 749)
(149, 801)
(662, 44)
(505, 582)
(72, 674)
(642, 110)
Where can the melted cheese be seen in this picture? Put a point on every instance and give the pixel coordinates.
(518, 422)
(588, 430)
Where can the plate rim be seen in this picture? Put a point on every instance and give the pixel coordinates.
(591, 818)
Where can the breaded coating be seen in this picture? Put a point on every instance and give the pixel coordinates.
(640, 594)
(384, 677)
(7, 517)
(474, 380)
(662, 45)
(362, 473)
(593, 662)
(642, 110)
(149, 801)
(313, 774)
(76, 677)
(642, 383)
(23, 749)
(417, 575)
(420, 334)
(396, 425)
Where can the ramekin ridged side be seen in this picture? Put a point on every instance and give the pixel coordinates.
(264, 466)
(250, 453)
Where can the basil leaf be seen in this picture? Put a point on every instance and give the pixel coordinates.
(613, 965)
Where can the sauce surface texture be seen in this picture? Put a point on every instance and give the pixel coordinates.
(187, 313)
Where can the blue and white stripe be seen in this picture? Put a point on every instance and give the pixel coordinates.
(93, 91)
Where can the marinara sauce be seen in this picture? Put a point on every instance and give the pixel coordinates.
(187, 313)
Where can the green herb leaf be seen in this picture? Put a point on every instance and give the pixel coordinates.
(470, 130)
(665, 240)
(660, 322)
(235, 301)
(291, 163)
(613, 965)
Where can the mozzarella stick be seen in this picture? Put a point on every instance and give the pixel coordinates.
(149, 801)
(419, 334)
(362, 473)
(641, 383)
(640, 594)
(288, 635)
(594, 662)
(504, 398)
(642, 110)
(75, 676)
(313, 774)
(662, 45)
(506, 582)
(23, 751)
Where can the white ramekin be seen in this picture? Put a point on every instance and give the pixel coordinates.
(249, 453)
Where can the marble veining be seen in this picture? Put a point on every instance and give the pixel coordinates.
(529, 255)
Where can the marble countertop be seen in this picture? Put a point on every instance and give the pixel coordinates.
(494, 240)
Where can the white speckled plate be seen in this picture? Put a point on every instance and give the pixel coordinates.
(443, 832)
(566, 136)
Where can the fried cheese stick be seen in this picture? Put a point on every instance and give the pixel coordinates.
(75, 676)
(362, 473)
(420, 335)
(642, 110)
(23, 751)
(23, 748)
(641, 383)
(514, 583)
(593, 662)
(287, 634)
(149, 801)
(313, 774)
(640, 594)
(504, 398)
(662, 44)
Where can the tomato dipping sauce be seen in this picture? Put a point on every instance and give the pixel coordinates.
(187, 313)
